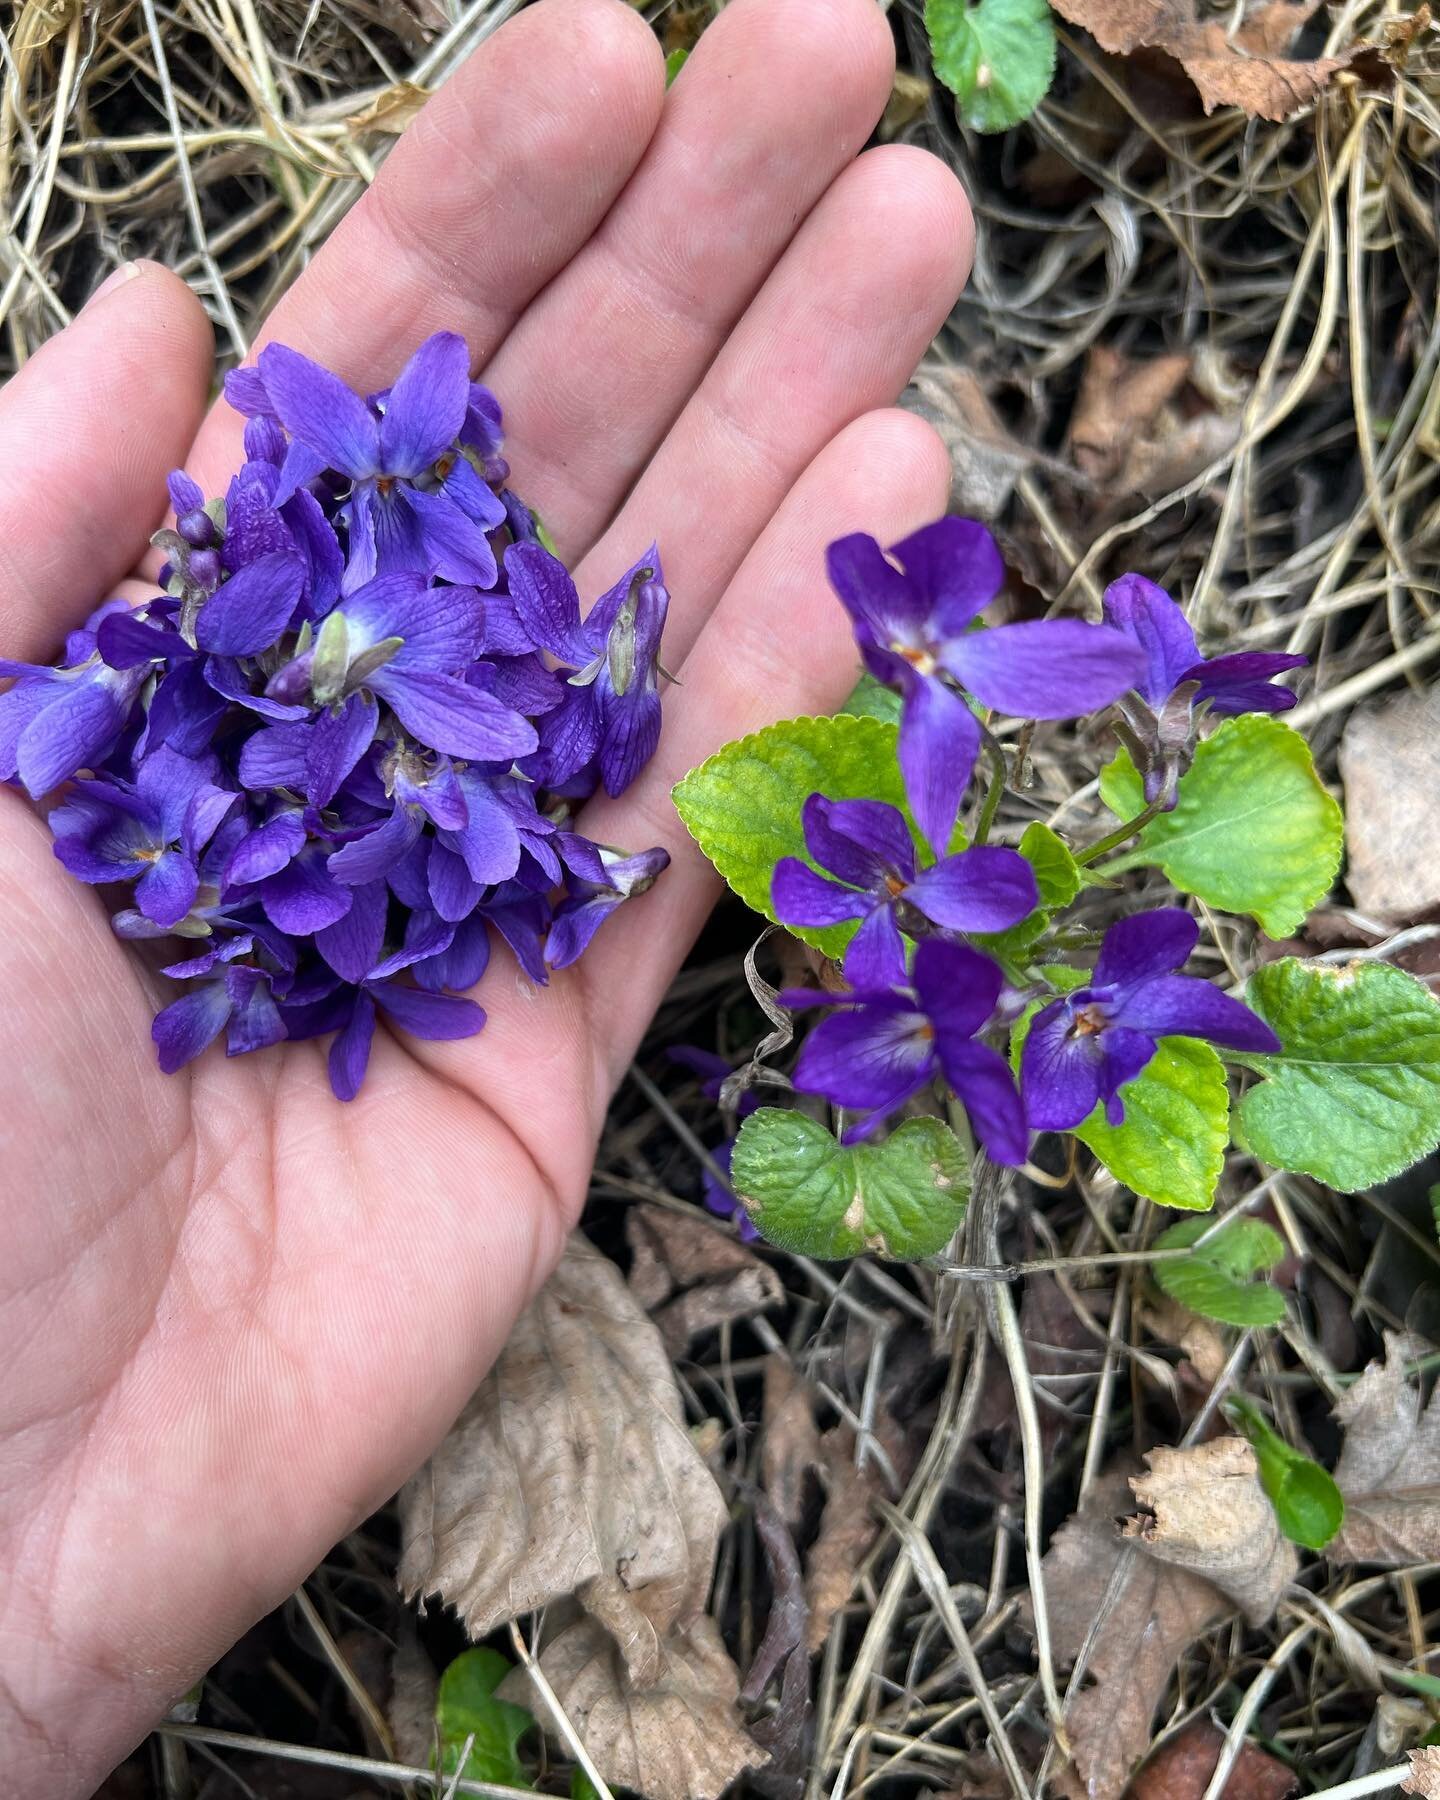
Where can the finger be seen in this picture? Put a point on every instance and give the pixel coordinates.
(89, 429)
(501, 179)
(777, 646)
(776, 99)
(833, 334)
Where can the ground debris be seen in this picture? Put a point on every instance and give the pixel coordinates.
(1181, 1769)
(1390, 764)
(1389, 1468)
(570, 1472)
(674, 1737)
(1245, 67)
(690, 1276)
(1424, 1776)
(1207, 1512)
(1134, 1603)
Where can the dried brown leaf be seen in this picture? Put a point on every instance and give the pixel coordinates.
(848, 1527)
(1201, 1341)
(1243, 68)
(391, 111)
(1155, 1614)
(1169, 1578)
(1119, 401)
(1209, 1514)
(1390, 764)
(1389, 1468)
(570, 1472)
(691, 1277)
(410, 1713)
(985, 458)
(1424, 1776)
(677, 1737)
(1181, 1769)
(790, 1447)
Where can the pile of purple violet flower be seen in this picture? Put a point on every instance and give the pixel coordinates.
(348, 739)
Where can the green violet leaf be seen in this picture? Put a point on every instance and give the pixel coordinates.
(743, 806)
(466, 1708)
(1354, 1096)
(1254, 831)
(997, 57)
(810, 1194)
(1171, 1147)
(1308, 1505)
(1216, 1280)
(869, 699)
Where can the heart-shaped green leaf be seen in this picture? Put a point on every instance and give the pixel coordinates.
(997, 57)
(1354, 1096)
(466, 1709)
(1253, 830)
(1216, 1280)
(1171, 1147)
(743, 806)
(810, 1194)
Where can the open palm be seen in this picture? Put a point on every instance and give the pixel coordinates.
(234, 1313)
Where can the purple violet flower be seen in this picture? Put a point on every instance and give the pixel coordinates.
(150, 831)
(866, 845)
(591, 903)
(610, 715)
(1242, 683)
(885, 1043)
(56, 721)
(414, 505)
(307, 754)
(911, 623)
(1084, 1047)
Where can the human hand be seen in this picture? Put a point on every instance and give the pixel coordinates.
(235, 1313)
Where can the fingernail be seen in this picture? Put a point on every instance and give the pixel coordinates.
(116, 278)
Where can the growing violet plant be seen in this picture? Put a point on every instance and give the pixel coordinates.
(977, 996)
(343, 749)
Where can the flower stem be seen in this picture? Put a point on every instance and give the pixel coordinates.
(991, 803)
(1113, 840)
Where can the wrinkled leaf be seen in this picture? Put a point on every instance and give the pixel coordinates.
(570, 1472)
(1389, 1467)
(1424, 1776)
(677, 1737)
(1171, 1146)
(1216, 1280)
(810, 1194)
(690, 1276)
(1057, 874)
(1354, 1096)
(466, 1708)
(1253, 831)
(1209, 1513)
(743, 806)
(1152, 1614)
(1244, 67)
(1306, 1500)
(996, 56)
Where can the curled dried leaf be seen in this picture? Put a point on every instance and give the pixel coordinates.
(690, 1276)
(1245, 67)
(1424, 1776)
(1389, 1468)
(570, 1472)
(676, 1737)
(1208, 1513)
